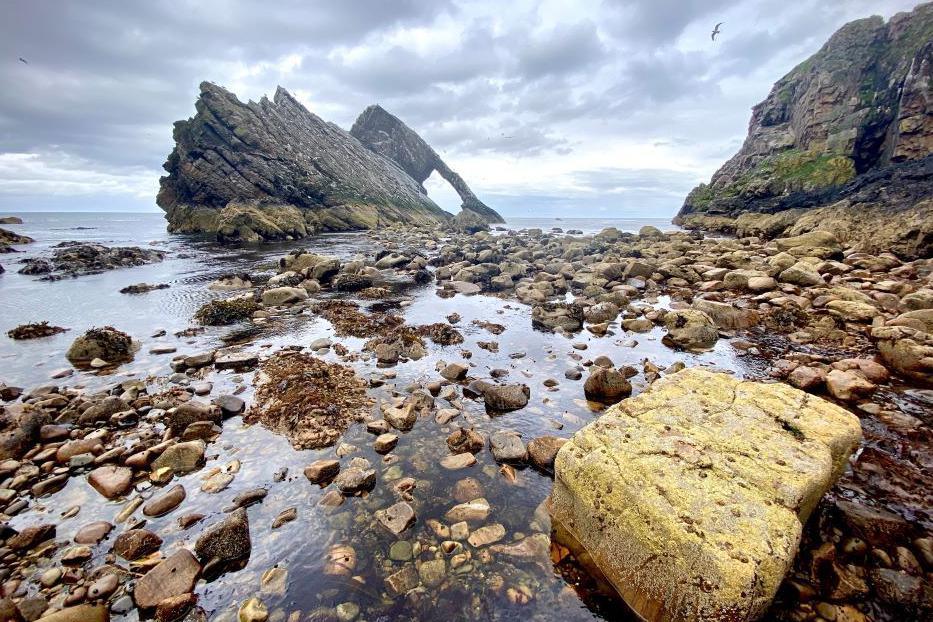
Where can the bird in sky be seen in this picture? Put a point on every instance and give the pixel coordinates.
(23, 60)
(716, 31)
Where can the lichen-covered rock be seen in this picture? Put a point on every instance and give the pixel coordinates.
(907, 350)
(689, 329)
(851, 127)
(690, 497)
(272, 170)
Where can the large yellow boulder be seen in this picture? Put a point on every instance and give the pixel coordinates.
(690, 497)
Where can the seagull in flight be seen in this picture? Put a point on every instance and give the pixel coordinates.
(716, 31)
(23, 60)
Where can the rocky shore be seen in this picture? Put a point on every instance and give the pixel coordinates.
(406, 449)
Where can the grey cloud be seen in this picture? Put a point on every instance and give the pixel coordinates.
(105, 80)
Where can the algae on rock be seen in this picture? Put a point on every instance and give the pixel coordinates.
(691, 497)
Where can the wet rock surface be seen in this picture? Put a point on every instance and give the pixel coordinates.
(413, 427)
(74, 259)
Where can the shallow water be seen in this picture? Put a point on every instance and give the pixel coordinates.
(471, 592)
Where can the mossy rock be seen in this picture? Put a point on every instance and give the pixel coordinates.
(107, 343)
(225, 312)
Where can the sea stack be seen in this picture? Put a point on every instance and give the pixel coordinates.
(388, 136)
(272, 170)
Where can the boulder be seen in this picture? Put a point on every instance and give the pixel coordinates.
(907, 350)
(181, 457)
(801, 273)
(688, 329)
(727, 316)
(105, 343)
(173, 576)
(507, 446)
(812, 244)
(111, 481)
(690, 498)
(284, 295)
(606, 385)
(227, 540)
(506, 397)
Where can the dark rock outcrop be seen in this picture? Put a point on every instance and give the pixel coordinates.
(9, 238)
(844, 140)
(74, 259)
(273, 170)
(388, 136)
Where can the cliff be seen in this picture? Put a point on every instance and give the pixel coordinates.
(388, 136)
(851, 129)
(273, 170)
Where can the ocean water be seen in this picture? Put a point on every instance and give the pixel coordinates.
(486, 588)
(589, 226)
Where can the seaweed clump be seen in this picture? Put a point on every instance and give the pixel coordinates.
(307, 399)
(349, 321)
(34, 331)
(225, 312)
(440, 333)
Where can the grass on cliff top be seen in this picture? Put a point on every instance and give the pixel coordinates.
(789, 171)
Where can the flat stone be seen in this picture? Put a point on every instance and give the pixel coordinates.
(355, 480)
(173, 576)
(181, 457)
(507, 446)
(217, 482)
(487, 534)
(474, 511)
(433, 572)
(403, 581)
(241, 360)
(700, 471)
(79, 613)
(111, 481)
(136, 543)
(93, 533)
(322, 470)
(385, 443)
(165, 503)
(227, 540)
(396, 518)
(458, 461)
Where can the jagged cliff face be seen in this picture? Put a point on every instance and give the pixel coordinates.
(273, 170)
(852, 118)
(388, 136)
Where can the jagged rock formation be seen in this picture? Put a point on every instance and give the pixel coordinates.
(387, 135)
(851, 128)
(273, 170)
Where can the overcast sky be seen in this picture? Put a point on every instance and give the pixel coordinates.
(612, 108)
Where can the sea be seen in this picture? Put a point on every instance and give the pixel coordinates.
(191, 263)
